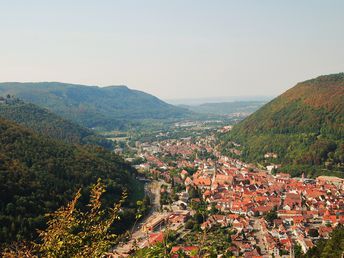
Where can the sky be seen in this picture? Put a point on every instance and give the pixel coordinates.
(174, 49)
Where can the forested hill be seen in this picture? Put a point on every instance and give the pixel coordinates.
(38, 175)
(303, 126)
(94, 107)
(46, 123)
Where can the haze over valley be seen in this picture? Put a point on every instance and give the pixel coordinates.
(171, 129)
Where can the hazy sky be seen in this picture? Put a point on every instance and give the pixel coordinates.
(173, 48)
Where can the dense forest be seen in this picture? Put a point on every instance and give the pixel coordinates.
(304, 127)
(46, 123)
(328, 248)
(94, 107)
(38, 175)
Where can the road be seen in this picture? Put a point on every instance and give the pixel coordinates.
(259, 236)
(138, 235)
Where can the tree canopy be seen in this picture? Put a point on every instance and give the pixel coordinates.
(38, 175)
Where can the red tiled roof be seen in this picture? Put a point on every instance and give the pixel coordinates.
(156, 238)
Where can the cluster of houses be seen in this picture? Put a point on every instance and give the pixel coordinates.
(270, 214)
(305, 210)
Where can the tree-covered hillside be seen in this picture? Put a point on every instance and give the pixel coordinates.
(46, 123)
(304, 126)
(38, 175)
(94, 107)
(329, 248)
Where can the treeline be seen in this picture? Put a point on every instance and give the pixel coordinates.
(38, 175)
(328, 248)
(104, 108)
(44, 122)
(304, 126)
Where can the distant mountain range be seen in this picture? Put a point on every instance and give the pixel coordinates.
(226, 108)
(94, 107)
(304, 127)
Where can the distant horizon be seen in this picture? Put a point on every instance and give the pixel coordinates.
(219, 99)
(176, 101)
(173, 49)
(184, 100)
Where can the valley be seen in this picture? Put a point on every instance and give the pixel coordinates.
(203, 184)
(172, 129)
(206, 196)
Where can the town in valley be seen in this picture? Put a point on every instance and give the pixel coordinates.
(200, 196)
(172, 129)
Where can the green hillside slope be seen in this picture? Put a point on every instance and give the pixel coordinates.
(303, 126)
(44, 122)
(38, 175)
(94, 107)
